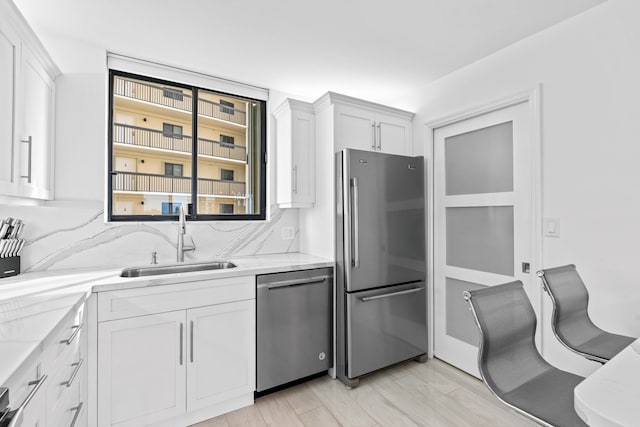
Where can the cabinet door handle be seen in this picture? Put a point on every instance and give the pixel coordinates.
(29, 142)
(181, 340)
(73, 336)
(373, 135)
(379, 137)
(16, 421)
(191, 341)
(78, 364)
(295, 179)
(76, 417)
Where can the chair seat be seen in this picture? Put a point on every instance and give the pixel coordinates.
(605, 345)
(547, 396)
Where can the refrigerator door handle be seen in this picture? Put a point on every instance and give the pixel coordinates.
(355, 262)
(391, 294)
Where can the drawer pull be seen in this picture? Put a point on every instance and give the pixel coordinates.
(78, 364)
(73, 336)
(18, 416)
(78, 410)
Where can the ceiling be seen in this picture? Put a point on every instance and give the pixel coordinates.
(371, 49)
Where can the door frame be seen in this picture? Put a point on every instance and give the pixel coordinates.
(533, 98)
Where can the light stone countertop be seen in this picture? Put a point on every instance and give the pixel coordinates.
(609, 396)
(32, 305)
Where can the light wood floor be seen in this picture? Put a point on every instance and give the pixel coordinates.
(412, 394)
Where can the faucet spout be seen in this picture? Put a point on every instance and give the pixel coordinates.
(182, 231)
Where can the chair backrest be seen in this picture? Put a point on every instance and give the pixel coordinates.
(507, 357)
(570, 319)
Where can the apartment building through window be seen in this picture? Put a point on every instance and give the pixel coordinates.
(192, 146)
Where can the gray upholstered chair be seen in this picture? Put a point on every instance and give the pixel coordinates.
(570, 320)
(509, 362)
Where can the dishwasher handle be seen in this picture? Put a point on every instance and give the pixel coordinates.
(293, 282)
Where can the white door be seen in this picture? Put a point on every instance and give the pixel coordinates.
(221, 345)
(142, 369)
(483, 227)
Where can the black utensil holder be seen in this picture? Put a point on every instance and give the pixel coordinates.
(9, 266)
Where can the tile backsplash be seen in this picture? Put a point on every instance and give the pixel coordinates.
(61, 237)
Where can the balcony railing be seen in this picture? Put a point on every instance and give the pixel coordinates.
(174, 98)
(222, 112)
(151, 183)
(151, 138)
(154, 94)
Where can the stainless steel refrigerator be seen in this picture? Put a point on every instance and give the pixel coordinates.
(380, 260)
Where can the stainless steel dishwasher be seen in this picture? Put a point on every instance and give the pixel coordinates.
(294, 326)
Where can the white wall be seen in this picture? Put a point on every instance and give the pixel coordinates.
(70, 232)
(589, 69)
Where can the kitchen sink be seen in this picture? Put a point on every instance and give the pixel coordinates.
(154, 270)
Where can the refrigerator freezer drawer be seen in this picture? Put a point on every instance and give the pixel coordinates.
(294, 326)
(385, 326)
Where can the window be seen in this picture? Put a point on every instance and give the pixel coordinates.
(172, 131)
(192, 169)
(227, 141)
(226, 175)
(172, 169)
(227, 107)
(226, 208)
(169, 208)
(172, 93)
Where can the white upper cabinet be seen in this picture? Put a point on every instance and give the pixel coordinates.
(368, 126)
(295, 130)
(9, 79)
(27, 104)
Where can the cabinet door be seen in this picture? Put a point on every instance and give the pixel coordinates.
(36, 138)
(221, 353)
(10, 60)
(141, 369)
(354, 128)
(394, 135)
(303, 153)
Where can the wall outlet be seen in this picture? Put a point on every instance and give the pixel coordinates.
(287, 233)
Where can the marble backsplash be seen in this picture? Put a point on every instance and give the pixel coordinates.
(62, 237)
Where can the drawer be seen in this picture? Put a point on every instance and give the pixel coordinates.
(69, 410)
(64, 380)
(65, 338)
(121, 304)
(26, 380)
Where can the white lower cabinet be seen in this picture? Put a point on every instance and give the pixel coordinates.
(221, 343)
(141, 369)
(175, 367)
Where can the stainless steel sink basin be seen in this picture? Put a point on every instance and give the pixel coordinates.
(154, 270)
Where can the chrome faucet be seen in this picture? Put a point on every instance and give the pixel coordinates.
(182, 231)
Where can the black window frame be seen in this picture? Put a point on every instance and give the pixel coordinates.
(260, 157)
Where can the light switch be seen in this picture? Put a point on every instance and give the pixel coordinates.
(551, 227)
